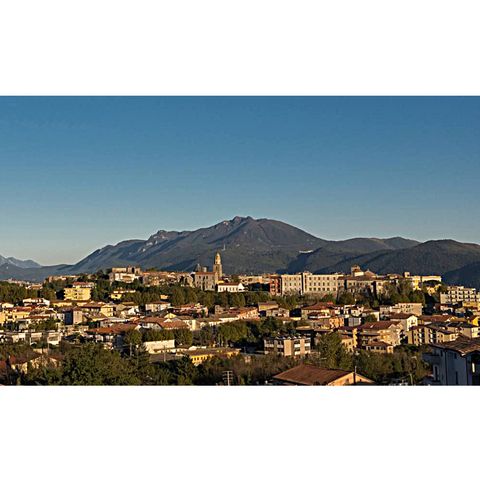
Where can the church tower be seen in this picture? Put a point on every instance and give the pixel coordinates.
(217, 266)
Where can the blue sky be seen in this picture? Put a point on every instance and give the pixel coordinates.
(79, 173)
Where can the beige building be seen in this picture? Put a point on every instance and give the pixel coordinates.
(206, 280)
(125, 274)
(459, 294)
(383, 331)
(288, 346)
(430, 334)
(79, 292)
(418, 281)
(410, 308)
(307, 283)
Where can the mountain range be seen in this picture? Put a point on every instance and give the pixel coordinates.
(251, 245)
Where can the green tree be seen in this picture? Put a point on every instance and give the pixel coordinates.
(132, 339)
(93, 365)
(332, 353)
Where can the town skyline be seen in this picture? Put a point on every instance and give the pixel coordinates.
(81, 172)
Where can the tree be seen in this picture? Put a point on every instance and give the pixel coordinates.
(183, 337)
(132, 338)
(178, 297)
(346, 298)
(332, 353)
(93, 365)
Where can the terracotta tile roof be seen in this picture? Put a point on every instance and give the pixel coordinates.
(462, 345)
(311, 375)
(401, 316)
(114, 329)
(381, 325)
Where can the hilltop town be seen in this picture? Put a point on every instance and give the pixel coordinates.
(133, 326)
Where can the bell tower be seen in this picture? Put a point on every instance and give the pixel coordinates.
(217, 266)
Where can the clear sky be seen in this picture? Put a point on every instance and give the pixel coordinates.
(79, 173)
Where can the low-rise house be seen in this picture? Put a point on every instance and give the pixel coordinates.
(74, 316)
(23, 363)
(124, 274)
(50, 337)
(127, 309)
(328, 323)
(120, 293)
(427, 319)
(16, 313)
(200, 355)
(309, 375)
(350, 332)
(319, 309)
(36, 302)
(265, 307)
(244, 313)
(159, 323)
(410, 308)
(348, 343)
(378, 347)
(192, 309)
(112, 336)
(230, 287)
(464, 328)
(407, 320)
(99, 308)
(158, 306)
(159, 346)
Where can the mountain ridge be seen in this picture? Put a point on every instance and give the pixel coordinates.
(251, 245)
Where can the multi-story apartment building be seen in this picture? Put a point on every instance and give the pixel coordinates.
(275, 285)
(456, 362)
(79, 292)
(288, 346)
(383, 331)
(459, 294)
(430, 334)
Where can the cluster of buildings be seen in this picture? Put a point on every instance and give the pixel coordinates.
(306, 283)
(450, 329)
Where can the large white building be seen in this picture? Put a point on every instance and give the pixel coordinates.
(306, 283)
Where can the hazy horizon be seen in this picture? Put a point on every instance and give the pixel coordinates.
(78, 173)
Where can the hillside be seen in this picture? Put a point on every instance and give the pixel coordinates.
(434, 256)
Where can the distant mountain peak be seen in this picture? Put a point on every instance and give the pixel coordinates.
(18, 263)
